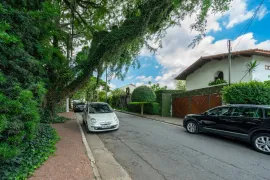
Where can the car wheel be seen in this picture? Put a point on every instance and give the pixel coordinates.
(261, 142)
(192, 127)
(86, 127)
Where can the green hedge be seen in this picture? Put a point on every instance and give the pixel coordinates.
(160, 92)
(32, 156)
(247, 93)
(143, 94)
(150, 108)
(197, 92)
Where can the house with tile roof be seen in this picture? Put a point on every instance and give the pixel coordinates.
(210, 68)
(130, 86)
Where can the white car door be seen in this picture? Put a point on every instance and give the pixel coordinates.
(84, 115)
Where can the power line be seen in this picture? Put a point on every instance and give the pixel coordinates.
(244, 30)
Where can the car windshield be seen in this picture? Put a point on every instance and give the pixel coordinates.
(100, 108)
(220, 111)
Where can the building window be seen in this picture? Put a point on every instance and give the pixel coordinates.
(219, 75)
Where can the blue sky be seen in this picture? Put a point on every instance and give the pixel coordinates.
(175, 55)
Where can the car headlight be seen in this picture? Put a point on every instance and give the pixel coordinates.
(115, 119)
(93, 121)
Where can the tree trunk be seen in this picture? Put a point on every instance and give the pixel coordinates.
(142, 109)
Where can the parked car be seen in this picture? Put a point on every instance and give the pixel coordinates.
(100, 117)
(250, 123)
(78, 107)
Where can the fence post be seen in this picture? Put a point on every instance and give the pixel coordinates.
(209, 100)
(189, 104)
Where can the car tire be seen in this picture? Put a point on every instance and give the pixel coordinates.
(192, 127)
(86, 127)
(261, 142)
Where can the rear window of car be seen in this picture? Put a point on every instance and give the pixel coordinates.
(251, 112)
(267, 113)
(99, 108)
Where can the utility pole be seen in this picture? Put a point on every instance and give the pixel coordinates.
(230, 60)
(106, 85)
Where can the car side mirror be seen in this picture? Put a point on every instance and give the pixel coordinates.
(204, 113)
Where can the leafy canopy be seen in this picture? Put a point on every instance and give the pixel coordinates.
(143, 94)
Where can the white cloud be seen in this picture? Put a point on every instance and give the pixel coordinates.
(144, 78)
(175, 56)
(139, 84)
(145, 65)
(262, 12)
(156, 67)
(182, 57)
(112, 86)
(130, 77)
(239, 13)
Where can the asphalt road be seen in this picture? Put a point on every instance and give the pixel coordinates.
(152, 150)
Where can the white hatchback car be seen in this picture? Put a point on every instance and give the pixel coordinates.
(99, 117)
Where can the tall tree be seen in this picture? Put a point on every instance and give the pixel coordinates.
(118, 30)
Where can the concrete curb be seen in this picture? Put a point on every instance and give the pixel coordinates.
(89, 152)
(126, 112)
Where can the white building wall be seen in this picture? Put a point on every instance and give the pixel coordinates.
(261, 74)
(131, 87)
(202, 76)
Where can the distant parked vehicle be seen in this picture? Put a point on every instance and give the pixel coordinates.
(100, 117)
(250, 123)
(78, 106)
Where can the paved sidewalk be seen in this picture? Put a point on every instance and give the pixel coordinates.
(70, 161)
(170, 120)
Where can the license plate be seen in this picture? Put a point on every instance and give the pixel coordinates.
(106, 126)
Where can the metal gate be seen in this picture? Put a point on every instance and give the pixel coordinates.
(166, 105)
(195, 104)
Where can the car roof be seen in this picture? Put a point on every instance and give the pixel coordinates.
(98, 103)
(246, 105)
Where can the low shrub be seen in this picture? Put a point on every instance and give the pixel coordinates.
(152, 108)
(46, 118)
(217, 82)
(247, 93)
(134, 108)
(33, 154)
(149, 108)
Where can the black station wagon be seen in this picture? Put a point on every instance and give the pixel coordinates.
(245, 122)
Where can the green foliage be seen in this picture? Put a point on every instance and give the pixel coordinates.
(19, 118)
(90, 91)
(116, 97)
(247, 93)
(35, 152)
(134, 107)
(180, 85)
(46, 118)
(152, 108)
(156, 87)
(217, 82)
(36, 48)
(250, 68)
(143, 94)
(198, 92)
(23, 35)
(267, 83)
(149, 108)
(102, 96)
